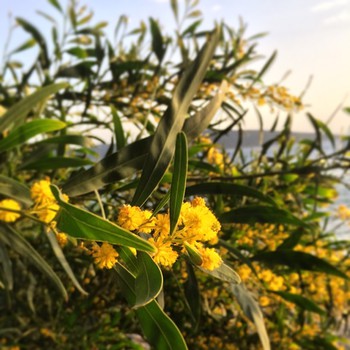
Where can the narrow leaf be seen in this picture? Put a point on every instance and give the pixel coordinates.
(178, 183)
(13, 239)
(63, 261)
(228, 188)
(25, 132)
(301, 301)
(118, 129)
(79, 223)
(22, 108)
(252, 310)
(163, 142)
(15, 189)
(114, 167)
(298, 261)
(224, 273)
(56, 163)
(259, 213)
(160, 331)
(149, 280)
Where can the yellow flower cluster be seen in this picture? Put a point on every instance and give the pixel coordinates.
(105, 256)
(343, 212)
(9, 215)
(197, 225)
(45, 206)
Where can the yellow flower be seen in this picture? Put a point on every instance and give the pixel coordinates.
(41, 192)
(264, 301)
(62, 239)
(162, 225)
(164, 255)
(47, 213)
(105, 255)
(211, 260)
(131, 218)
(199, 223)
(9, 216)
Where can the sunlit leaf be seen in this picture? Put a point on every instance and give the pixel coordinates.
(25, 132)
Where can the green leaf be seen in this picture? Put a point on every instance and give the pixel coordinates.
(56, 163)
(80, 223)
(118, 129)
(224, 273)
(22, 108)
(25, 46)
(25, 132)
(56, 4)
(158, 46)
(178, 183)
(175, 8)
(13, 239)
(28, 27)
(114, 167)
(149, 280)
(301, 301)
(5, 263)
(252, 310)
(80, 70)
(78, 52)
(63, 261)
(259, 213)
(163, 142)
(192, 294)
(67, 140)
(196, 124)
(228, 188)
(160, 331)
(298, 261)
(15, 189)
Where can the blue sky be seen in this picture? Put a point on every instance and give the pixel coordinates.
(311, 36)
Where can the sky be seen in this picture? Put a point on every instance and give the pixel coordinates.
(312, 38)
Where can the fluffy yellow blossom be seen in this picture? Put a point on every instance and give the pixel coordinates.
(62, 239)
(9, 216)
(211, 260)
(47, 213)
(199, 223)
(105, 255)
(41, 192)
(343, 212)
(165, 255)
(162, 225)
(131, 217)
